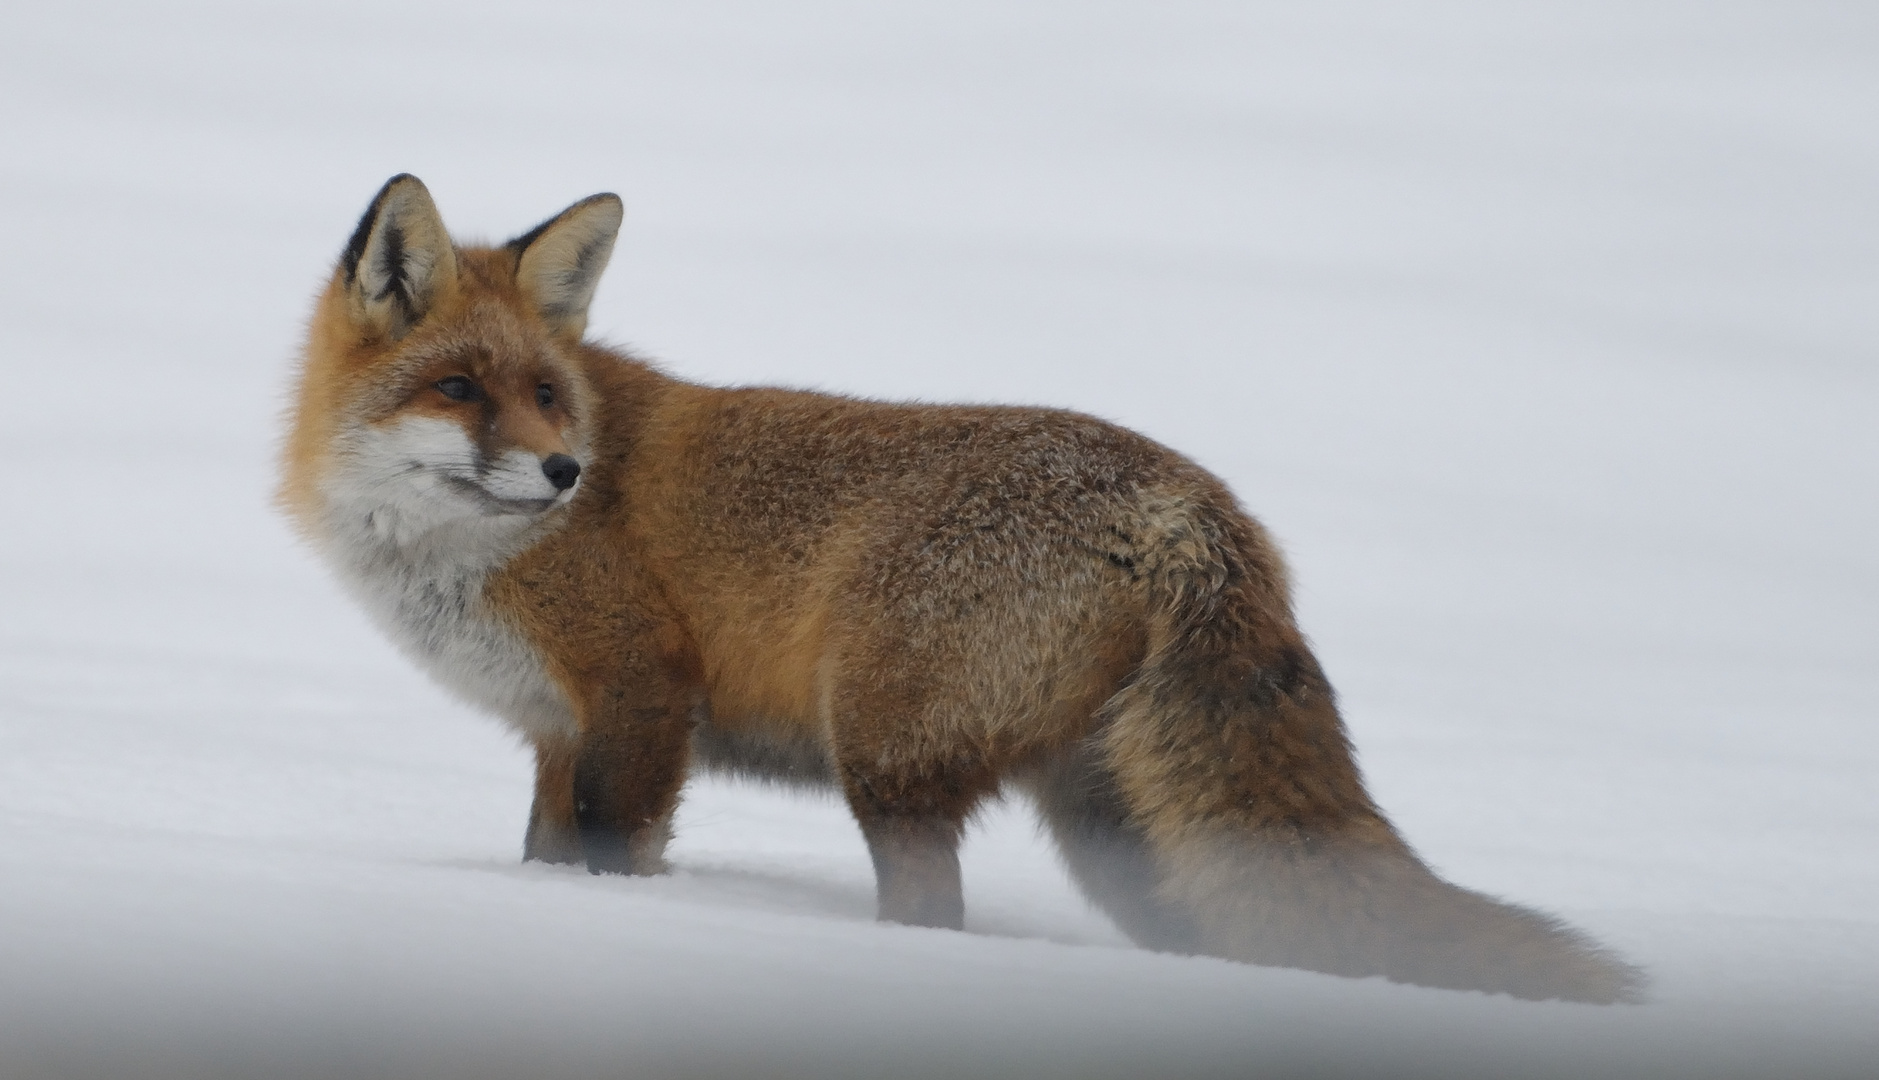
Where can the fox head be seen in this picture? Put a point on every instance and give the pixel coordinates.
(442, 385)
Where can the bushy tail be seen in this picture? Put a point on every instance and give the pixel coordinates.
(1222, 784)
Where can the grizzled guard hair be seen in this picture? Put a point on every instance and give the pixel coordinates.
(915, 606)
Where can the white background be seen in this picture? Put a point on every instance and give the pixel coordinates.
(1543, 336)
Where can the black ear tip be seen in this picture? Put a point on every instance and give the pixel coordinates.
(395, 182)
(355, 246)
(404, 181)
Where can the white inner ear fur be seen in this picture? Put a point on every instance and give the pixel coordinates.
(561, 268)
(407, 259)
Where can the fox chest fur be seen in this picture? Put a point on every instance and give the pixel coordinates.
(429, 599)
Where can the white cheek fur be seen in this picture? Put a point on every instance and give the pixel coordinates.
(428, 440)
(414, 549)
(402, 480)
(413, 475)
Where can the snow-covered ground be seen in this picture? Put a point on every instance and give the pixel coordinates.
(1544, 336)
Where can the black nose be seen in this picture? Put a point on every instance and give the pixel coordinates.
(561, 470)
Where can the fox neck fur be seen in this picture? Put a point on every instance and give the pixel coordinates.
(425, 591)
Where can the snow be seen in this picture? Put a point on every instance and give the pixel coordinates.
(1541, 335)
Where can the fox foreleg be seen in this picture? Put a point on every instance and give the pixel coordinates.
(554, 835)
(626, 777)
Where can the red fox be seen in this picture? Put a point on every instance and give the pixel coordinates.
(915, 605)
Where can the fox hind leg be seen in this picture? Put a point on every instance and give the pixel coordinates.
(913, 820)
(1105, 851)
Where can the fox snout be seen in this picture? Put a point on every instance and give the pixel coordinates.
(530, 460)
(527, 479)
(561, 470)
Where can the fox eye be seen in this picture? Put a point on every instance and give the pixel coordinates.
(544, 395)
(458, 388)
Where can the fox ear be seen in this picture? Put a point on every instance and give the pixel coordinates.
(558, 262)
(399, 260)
